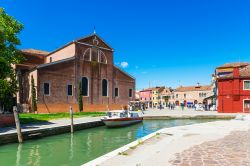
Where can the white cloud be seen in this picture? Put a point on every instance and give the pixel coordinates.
(124, 64)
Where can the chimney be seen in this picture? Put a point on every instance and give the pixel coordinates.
(236, 72)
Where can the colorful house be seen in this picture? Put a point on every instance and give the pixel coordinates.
(146, 97)
(156, 97)
(233, 86)
(190, 95)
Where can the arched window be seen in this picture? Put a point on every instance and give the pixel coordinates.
(85, 86)
(102, 57)
(94, 54)
(86, 54)
(104, 87)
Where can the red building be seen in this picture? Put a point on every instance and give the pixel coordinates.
(233, 85)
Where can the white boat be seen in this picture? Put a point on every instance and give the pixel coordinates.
(119, 118)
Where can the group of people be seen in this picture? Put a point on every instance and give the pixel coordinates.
(171, 106)
(136, 107)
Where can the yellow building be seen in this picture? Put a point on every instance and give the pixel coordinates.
(156, 98)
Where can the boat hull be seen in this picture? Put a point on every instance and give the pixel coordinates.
(121, 122)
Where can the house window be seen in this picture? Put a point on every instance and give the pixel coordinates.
(116, 92)
(184, 95)
(130, 93)
(70, 90)
(104, 87)
(85, 86)
(246, 85)
(246, 105)
(46, 89)
(50, 59)
(176, 96)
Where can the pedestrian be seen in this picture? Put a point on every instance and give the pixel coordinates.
(182, 106)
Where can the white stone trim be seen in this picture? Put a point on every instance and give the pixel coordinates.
(244, 84)
(244, 104)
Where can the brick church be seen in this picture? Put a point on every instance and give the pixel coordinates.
(57, 76)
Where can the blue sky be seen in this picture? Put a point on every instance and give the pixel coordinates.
(164, 42)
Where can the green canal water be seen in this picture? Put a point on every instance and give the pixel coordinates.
(82, 146)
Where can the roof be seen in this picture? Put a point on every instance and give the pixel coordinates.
(55, 62)
(94, 34)
(153, 89)
(193, 88)
(32, 51)
(166, 91)
(80, 42)
(124, 72)
(243, 72)
(232, 65)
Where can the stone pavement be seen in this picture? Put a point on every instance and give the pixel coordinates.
(205, 144)
(232, 150)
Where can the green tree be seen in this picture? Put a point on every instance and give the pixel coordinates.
(80, 103)
(9, 56)
(33, 95)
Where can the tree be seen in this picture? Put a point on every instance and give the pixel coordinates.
(80, 103)
(9, 56)
(33, 95)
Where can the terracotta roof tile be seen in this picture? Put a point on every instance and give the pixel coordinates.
(34, 51)
(231, 65)
(193, 88)
(153, 88)
(244, 72)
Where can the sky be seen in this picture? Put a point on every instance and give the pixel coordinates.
(160, 42)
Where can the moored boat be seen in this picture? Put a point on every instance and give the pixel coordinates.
(119, 118)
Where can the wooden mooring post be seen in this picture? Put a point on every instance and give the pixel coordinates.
(18, 126)
(71, 120)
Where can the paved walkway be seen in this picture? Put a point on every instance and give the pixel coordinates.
(49, 124)
(184, 145)
(232, 150)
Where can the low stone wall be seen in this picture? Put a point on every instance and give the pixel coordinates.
(39, 133)
(63, 107)
(7, 120)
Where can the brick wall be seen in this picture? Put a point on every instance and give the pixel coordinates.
(71, 72)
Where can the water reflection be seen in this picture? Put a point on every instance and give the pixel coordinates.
(18, 154)
(80, 147)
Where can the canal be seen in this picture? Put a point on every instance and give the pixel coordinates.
(82, 146)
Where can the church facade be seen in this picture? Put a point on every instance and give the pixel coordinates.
(58, 74)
